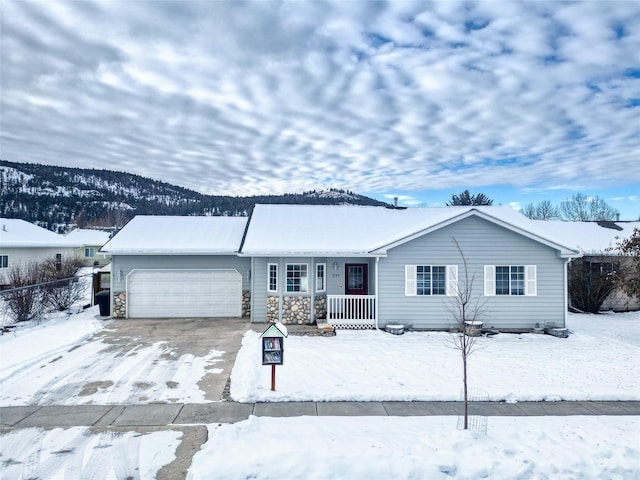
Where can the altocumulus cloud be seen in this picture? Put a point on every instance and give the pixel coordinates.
(264, 96)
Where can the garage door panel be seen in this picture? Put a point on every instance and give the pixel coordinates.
(184, 293)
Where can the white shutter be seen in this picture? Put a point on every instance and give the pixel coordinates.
(452, 280)
(530, 284)
(410, 287)
(489, 280)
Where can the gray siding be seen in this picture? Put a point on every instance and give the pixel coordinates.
(121, 265)
(483, 243)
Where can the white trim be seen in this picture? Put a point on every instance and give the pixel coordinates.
(324, 277)
(410, 284)
(452, 280)
(530, 280)
(489, 280)
(269, 265)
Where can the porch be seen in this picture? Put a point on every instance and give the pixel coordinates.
(352, 311)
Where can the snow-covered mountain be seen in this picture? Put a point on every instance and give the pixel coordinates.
(55, 197)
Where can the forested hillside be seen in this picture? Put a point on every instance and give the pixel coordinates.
(55, 197)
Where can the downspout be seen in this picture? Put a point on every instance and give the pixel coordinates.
(377, 300)
(281, 286)
(312, 274)
(566, 291)
(251, 289)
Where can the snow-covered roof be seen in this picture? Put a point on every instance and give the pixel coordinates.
(148, 235)
(88, 237)
(18, 233)
(588, 237)
(352, 230)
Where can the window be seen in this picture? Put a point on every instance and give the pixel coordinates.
(511, 280)
(273, 277)
(58, 261)
(321, 268)
(297, 277)
(431, 280)
(89, 252)
(4, 261)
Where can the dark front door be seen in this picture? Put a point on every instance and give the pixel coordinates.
(356, 278)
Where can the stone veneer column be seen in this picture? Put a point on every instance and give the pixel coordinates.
(320, 307)
(272, 308)
(246, 303)
(120, 305)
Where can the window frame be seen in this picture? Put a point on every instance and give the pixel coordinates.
(302, 280)
(91, 250)
(527, 278)
(4, 261)
(412, 281)
(272, 277)
(321, 278)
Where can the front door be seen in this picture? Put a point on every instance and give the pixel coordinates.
(356, 279)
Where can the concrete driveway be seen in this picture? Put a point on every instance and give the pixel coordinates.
(190, 336)
(138, 361)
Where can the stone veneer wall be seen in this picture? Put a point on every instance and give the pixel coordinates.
(320, 308)
(272, 309)
(295, 309)
(120, 305)
(246, 303)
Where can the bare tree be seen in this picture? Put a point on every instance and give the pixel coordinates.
(62, 287)
(587, 209)
(466, 309)
(543, 210)
(627, 277)
(22, 301)
(590, 281)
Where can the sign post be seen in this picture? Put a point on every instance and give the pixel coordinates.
(273, 348)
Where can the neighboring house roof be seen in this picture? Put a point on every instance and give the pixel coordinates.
(16, 233)
(88, 237)
(149, 235)
(589, 237)
(352, 230)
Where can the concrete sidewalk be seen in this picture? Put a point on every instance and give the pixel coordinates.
(161, 414)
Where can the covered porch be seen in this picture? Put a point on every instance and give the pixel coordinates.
(352, 311)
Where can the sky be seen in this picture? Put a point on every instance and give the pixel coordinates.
(523, 101)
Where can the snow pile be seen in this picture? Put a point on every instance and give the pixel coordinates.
(599, 361)
(78, 453)
(420, 447)
(28, 347)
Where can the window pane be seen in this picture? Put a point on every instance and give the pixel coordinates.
(502, 280)
(356, 278)
(297, 277)
(273, 278)
(517, 280)
(423, 279)
(438, 280)
(320, 277)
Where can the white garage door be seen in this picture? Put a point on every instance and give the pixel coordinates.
(184, 293)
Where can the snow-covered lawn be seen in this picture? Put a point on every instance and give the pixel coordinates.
(79, 453)
(599, 361)
(58, 363)
(421, 448)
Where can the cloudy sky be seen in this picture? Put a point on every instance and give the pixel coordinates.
(522, 101)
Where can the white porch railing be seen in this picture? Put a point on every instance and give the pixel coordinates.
(351, 311)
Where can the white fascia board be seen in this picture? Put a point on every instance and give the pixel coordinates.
(164, 252)
(311, 254)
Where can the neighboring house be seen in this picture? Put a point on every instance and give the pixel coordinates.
(22, 242)
(352, 266)
(164, 266)
(91, 241)
(597, 241)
